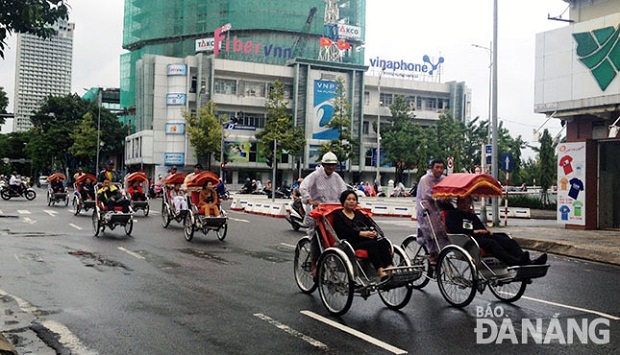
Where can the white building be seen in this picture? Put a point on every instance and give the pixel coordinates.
(165, 86)
(42, 68)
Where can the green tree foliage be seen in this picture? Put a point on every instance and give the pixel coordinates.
(12, 146)
(4, 102)
(547, 161)
(205, 132)
(401, 139)
(54, 124)
(280, 126)
(84, 138)
(343, 145)
(31, 16)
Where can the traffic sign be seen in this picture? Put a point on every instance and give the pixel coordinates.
(450, 165)
(488, 149)
(507, 162)
(477, 170)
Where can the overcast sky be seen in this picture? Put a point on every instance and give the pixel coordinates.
(396, 29)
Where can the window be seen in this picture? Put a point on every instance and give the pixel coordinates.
(410, 101)
(385, 99)
(225, 86)
(254, 89)
(431, 103)
(418, 105)
(365, 128)
(368, 157)
(251, 119)
(366, 98)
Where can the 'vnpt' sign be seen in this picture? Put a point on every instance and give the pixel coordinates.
(599, 51)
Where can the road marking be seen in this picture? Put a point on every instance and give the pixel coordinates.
(28, 220)
(67, 338)
(131, 253)
(291, 331)
(23, 212)
(239, 220)
(51, 213)
(355, 333)
(574, 308)
(76, 227)
(289, 245)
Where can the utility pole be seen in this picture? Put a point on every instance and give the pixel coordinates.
(494, 160)
(378, 157)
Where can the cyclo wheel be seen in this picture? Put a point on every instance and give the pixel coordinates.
(49, 198)
(456, 276)
(188, 224)
(165, 217)
(335, 281)
(419, 256)
(66, 200)
(302, 266)
(146, 210)
(96, 222)
(76, 206)
(129, 227)
(397, 297)
(222, 231)
(509, 292)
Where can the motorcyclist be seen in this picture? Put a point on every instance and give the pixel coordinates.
(15, 183)
(248, 187)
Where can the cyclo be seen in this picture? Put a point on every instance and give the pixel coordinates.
(79, 202)
(462, 266)
(169, 211)
(195, 220)
(133, 182)
(104, 217)
(343, 271)
(57, 193)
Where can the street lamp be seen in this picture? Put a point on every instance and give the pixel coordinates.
(378, 157)
(99, 98)
(494, 160)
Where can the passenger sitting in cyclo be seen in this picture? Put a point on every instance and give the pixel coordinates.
(111, 197)
(178, 199)
(209, 200)
(87, 189)
(463, 220)
(136, 191)
(358, 230)
(57, 186)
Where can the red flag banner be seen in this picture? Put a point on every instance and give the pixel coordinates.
(343, 45)
(326, 42)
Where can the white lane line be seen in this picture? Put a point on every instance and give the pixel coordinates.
(131, 253)
(29, 221)
(1, 212)
(573, 308)
(239, 220)
(291, 331)
(67, 338)
(355, 333)
(76, 227)
(50, 212)
(23, 211)
(289, 245)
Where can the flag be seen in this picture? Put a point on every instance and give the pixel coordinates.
(343, 45)
(326, 42)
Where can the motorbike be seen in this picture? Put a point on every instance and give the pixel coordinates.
(296, 215)
(7, 192)
(222, 192)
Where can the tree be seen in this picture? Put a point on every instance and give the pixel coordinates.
(205, 132)
(280, 127)
(84, 139)
(4, 102)
(32, 16)
(401, 139)
(547, 161)
(343, 145)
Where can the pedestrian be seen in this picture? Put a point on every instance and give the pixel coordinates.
(427, 224)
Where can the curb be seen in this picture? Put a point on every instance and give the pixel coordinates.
(568, 249)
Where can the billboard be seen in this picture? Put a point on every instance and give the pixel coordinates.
(176, 99)
(578, 66)
(174, 158)
(237, 151)
(572, 183)
(175, 128)
(349, 32)
(205, 44)
(324, 93)
(176, 70)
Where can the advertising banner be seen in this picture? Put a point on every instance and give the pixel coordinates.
(324, 93)
(237, 151)
(349, 32)
(177, 70)
(571, 183)
(175, 128)
(205, 44)
(174, 158)
(176, 99)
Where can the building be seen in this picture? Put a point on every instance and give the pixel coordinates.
(230, 52)
(42, 68)
(110, 98)
(165, 86)
(577, 81)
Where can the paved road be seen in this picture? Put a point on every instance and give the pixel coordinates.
(155, 293)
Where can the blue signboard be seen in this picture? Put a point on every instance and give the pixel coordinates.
(176, 99)
(507, 162)
(174, 158)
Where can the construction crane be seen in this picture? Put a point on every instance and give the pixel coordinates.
(329, 51)
(300, 44)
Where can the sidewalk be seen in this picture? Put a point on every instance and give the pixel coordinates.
(595, 245)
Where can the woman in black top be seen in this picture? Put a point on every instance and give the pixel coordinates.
(463, 221)
(358, 230)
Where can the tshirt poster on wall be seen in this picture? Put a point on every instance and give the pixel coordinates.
(572, 183)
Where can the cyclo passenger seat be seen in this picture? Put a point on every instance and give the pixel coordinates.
(195, 198)
(330, 240)
(444, 216)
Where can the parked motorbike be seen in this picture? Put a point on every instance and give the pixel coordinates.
(296, 215)
(7, 192)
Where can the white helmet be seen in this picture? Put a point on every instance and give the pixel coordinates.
(329, 158)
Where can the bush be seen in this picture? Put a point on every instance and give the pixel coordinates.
(529, 202)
